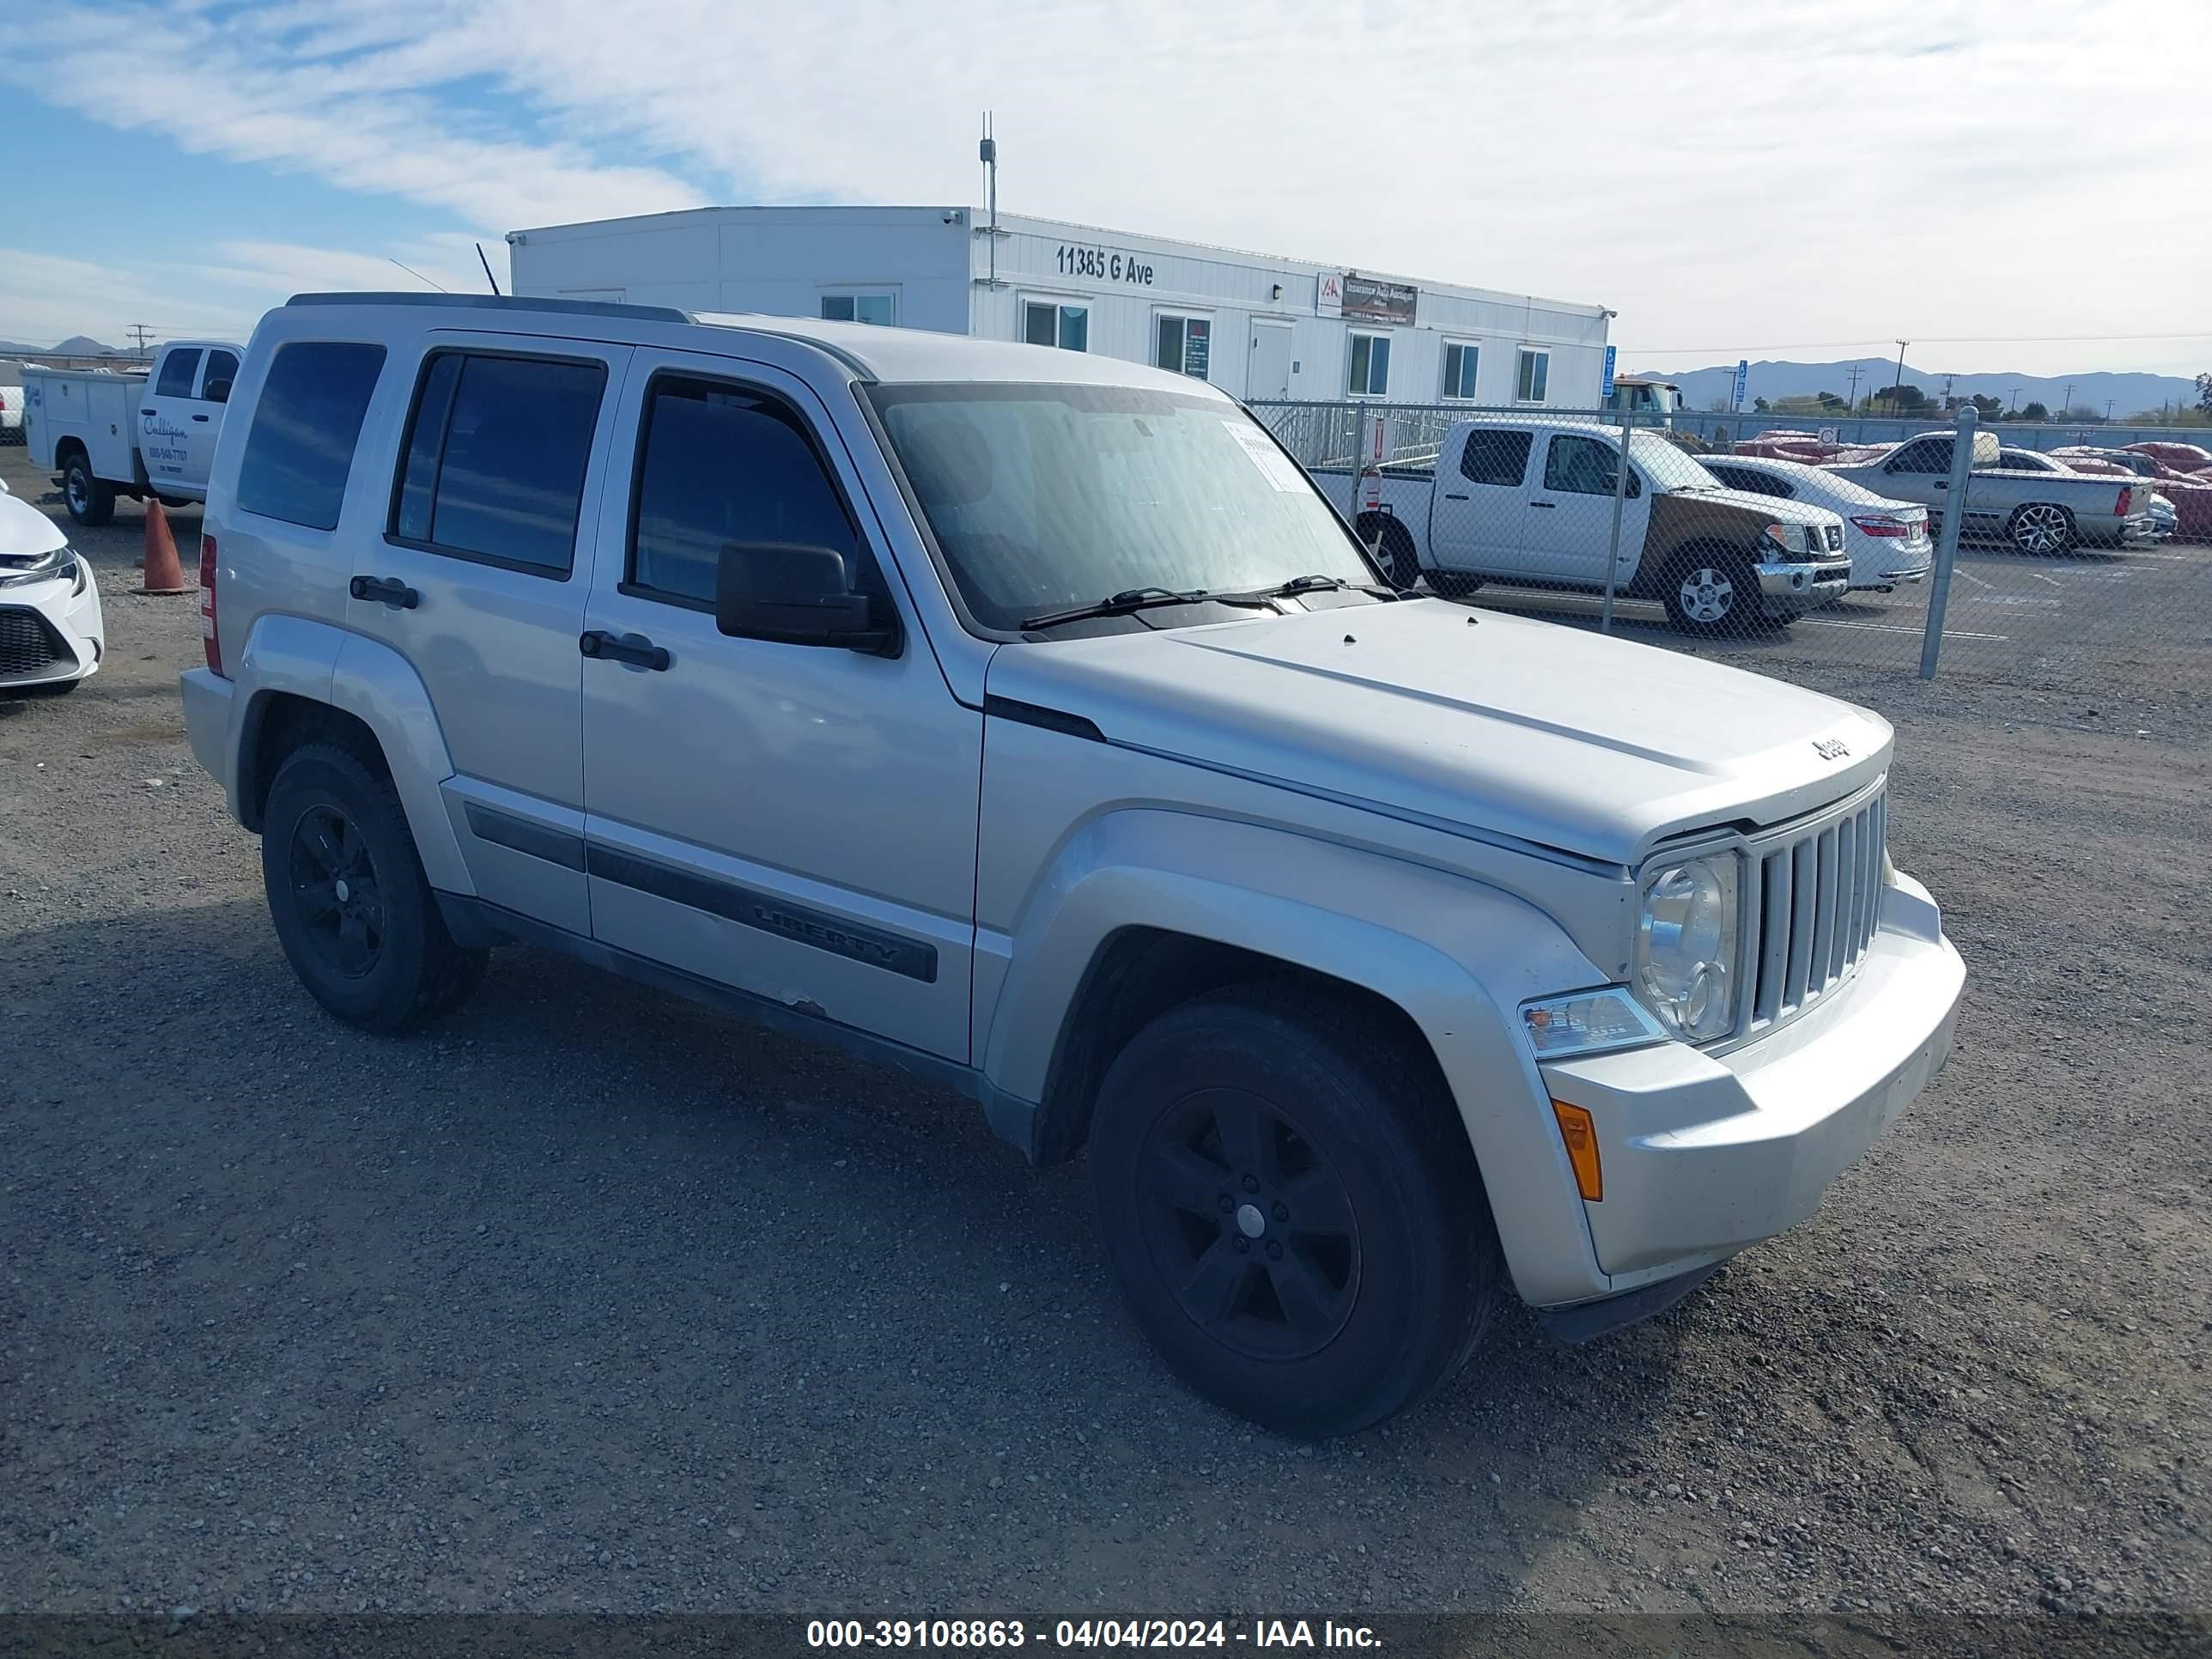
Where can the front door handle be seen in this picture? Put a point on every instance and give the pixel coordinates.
(145, 412)
(199, 418)
(633, 648)
(1454, 494)
(1547, 505)
(1942, 486)
(384, 590)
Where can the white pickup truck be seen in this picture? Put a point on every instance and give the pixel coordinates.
(1531, 503)
(134, 434)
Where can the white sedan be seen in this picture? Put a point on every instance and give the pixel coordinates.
(1888, 541)
(51, 632)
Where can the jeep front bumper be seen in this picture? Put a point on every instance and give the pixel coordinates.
(1705, 1153)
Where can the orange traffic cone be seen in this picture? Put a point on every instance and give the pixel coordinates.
(164, 574)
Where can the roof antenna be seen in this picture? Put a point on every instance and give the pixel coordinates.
(418, 276)
(987, 153)
(488, 277)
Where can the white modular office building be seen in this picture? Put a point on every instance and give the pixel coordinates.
(1259, 327)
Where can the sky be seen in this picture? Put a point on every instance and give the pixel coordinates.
(2014, 186)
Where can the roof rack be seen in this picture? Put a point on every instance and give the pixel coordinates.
(497, 302)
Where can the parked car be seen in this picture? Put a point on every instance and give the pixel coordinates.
(2041, 510)
(1888, 541)
(51, 635)
(2181, 505)
(1532, 502)
(1785, 446)
(11, 414)
(2182, 457)
(134, 434)
(844, 678)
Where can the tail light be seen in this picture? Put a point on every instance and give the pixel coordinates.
(1884, 527)
(2127, 501)
(210, 639)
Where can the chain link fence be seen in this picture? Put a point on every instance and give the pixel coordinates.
(2085, 569)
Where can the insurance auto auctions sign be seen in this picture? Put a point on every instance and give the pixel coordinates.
(1343, 293)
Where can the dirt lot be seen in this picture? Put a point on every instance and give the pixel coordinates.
(590, 1298)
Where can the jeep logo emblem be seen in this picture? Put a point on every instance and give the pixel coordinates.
(1831, 749)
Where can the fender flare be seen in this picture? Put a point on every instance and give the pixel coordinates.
(324, 664)
(1457, 957)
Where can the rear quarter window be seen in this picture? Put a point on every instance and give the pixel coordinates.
(306, 422)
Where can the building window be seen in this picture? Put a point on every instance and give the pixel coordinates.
(857, 309)
(1184, 346)
(1370, 365)
(1044, 323)
(1459, 369)
(1535, 375)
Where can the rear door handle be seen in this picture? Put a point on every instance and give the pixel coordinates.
(633, 648)
(1454, 494)
(145, 412)
(1942, 486)
(199, 418)
(384, 590)
(1547, 505)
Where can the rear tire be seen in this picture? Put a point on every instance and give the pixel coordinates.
(91, 499)
(2040, 528)
(1289, 1202)
(348, 899)
(1396, 546)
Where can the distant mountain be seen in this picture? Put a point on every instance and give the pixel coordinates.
(2129, 393)
(77, 345)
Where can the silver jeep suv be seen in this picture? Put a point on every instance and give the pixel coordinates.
(1026, 718)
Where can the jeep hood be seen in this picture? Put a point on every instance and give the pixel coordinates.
(1478, 721)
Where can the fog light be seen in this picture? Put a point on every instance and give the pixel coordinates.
(1580, 1134)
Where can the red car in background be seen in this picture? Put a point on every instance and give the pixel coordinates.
(2192, 495)
(2184, 458)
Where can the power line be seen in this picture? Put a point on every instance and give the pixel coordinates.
(1925, 339)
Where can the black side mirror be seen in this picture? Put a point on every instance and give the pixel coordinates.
(217, 390)
(795, 594)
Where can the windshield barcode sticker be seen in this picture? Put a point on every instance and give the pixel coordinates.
(1279, 469)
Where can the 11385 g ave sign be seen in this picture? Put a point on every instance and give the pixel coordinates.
(1104, 264)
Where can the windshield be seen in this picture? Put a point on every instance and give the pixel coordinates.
(1670, 467)
(1049, 497)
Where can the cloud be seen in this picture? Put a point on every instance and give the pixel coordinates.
(1801, 172)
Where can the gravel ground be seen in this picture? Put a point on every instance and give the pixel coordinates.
(592, 1299)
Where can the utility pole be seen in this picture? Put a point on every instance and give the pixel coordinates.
(1897, 385)
(2015, 400)
(1856, 370)
(2109, 402)
(140, 333)
(2066, 402)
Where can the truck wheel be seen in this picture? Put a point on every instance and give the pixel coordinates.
(2040, 528)
(91, 501)
(1398, 558)
(1293, 1211)
(1713, 594)
(351, 906)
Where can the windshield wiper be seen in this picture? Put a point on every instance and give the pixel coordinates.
(1136, 599)
(1298, 584)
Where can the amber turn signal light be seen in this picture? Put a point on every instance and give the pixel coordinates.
(1580, 1134)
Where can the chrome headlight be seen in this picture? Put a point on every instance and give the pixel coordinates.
(37, 567)
(1684, 969)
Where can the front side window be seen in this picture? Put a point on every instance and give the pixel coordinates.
(1495, 457)
(222, 371)
(1534, 377)
(1580, 466)
(1926, 455)
(720, 463)
(1370, 372)
(1183, 345)
(178, 370)
(857, 309)
(496, 452)
(306, 423)
(1041, 496)
(1459, 369)
(1045, 324)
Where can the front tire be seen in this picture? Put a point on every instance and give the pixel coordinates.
(1396, 546)
(2040, 528)
(1713, 594)
(1290, 1206)
(348, 899)
(90, 499)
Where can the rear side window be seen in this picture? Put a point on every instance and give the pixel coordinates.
(306, 423)
(1759, 483)
(1495, 458)
(222, 370)
(177, 369)
(493, 465)
(717, 464)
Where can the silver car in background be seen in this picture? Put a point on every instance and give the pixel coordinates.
(1888, 541)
